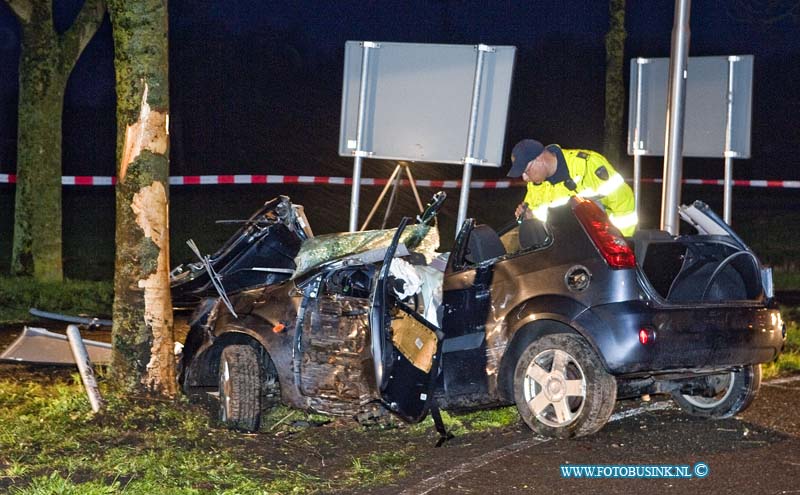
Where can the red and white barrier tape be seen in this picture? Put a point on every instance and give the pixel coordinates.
(190, 180)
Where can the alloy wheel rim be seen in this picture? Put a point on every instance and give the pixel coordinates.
(554, 388)
(224, 391)
(719, 397)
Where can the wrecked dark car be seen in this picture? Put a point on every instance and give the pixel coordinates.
(561, 319)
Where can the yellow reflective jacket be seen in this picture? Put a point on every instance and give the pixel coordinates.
(590, 176)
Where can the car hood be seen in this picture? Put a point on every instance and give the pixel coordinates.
(423, 239)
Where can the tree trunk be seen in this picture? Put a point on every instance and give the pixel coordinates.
(142, 334)
(37, 211)
(615, 88)
(46, 60)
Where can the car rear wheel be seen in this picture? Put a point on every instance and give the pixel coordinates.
(724, 396)
(240, 388)
(561, 387)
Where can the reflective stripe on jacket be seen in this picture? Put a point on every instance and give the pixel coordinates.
(593, 177)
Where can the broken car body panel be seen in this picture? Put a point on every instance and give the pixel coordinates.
(40, 346)
(261, 252)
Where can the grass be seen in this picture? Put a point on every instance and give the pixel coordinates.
(473, 422)
(764, 229)
(786, 279)
(51, 443)
(380, 468)
(55, 484)
(73, 297)
(789, 360)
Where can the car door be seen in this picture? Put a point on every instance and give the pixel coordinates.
(467, 302)
(406, 349)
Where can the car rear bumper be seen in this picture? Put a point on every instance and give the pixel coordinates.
(684, 338)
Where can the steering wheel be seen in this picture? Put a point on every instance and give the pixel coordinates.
(432, 208)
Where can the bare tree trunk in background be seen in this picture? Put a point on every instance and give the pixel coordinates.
(46, 60)
(615, 88)
(142, 335)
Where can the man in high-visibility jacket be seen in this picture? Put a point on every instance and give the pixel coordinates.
(554, 174)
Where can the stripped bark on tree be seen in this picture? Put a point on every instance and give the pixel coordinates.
(142, 335)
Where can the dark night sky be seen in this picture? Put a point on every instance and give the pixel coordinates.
(255, 85)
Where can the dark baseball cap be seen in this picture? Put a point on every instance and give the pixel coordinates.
(523, 152)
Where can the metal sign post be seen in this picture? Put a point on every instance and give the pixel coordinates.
(394, 182)
(638, 142)
(676, 106)
(408, 101)
(84, 367)
(718, 113)
(359, 153)
(469, 158)
(730, 154)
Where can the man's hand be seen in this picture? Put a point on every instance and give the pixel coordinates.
(523, 212)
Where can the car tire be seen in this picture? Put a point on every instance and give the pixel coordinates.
(736, 392)
(561, 387)
(240, 388)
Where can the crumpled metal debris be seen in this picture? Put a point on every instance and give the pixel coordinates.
(37, 345)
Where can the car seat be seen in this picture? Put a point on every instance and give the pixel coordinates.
(484, 244)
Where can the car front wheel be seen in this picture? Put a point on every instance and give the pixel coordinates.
(722, 395)
(561, 388)
(240, 388)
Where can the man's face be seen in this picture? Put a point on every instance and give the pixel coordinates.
(538, 169)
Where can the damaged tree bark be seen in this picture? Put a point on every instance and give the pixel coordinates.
(142, 334)
(46, 60)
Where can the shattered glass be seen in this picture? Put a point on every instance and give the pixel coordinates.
(423, 239)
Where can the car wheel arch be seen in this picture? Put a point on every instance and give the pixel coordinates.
(204, 367)
(193, 345)
(522, 336)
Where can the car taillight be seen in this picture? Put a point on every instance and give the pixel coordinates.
(647, 336)
(606, 237)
